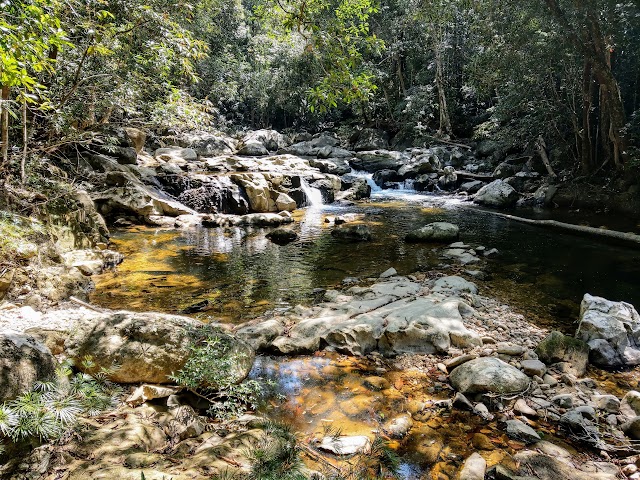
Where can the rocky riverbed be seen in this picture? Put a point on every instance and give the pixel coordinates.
(459, 384)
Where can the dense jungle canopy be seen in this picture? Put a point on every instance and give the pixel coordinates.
(554, 73)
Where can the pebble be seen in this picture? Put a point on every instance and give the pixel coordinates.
(524, 409)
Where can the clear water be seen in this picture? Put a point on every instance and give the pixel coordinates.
(543, 272)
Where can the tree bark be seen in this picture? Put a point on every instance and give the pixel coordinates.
(445, 121)
(587, 38)
(4, 124)
(586, 156)
(25, 141)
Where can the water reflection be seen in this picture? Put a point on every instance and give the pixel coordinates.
(243, 274)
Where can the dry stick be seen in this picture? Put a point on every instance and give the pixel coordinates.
(85, 304)
(542, 150)
(631, 238)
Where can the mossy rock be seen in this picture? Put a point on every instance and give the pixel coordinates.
(557, 347)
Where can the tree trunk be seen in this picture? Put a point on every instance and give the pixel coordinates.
(586, 156)
(445, 121)
(4, 125)
(25, 141)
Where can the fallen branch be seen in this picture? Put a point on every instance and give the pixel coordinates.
(630, 238)
(85, 304)
(475, 176)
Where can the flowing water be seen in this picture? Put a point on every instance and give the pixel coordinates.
(542, 273)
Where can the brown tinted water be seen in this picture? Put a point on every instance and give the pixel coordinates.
(544, 273)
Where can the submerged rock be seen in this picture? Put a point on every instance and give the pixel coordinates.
(352, 232)
(434, 232)
(282, 236)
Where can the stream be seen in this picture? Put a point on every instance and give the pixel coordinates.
(541, 273)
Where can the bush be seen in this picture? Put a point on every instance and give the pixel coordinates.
(211, 374)
(52, 407)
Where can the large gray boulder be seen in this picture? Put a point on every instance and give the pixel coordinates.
(23, 361)
(137, 199)
(176, 154)
(375, 160)
(557, 347)
(435, 232)
(498, 194)
(270, 139)
(143, 347)
(209, 144)
(612, 330)
(488, 375)
(252, 148)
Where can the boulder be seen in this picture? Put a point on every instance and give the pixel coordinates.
(334, 166)
(449, 180)
(208, 144)
(399, 426)
(557, 347)
(23, 361)
(260, 335)
(630, 405)
(271, 140)
(375, 160)
(257, 190)
(381, 177)
(252, 148)
(488, 375)
(612, 331)
(548, 467)
(352, 232)
(137, 138)
(533, 367)
(384, 317)
(218, 195)
(176, 154)
(370, 139)
(497, 194)
(137, 200)
(434, 232)
(357, 189)
(143, 347)
(472, 186)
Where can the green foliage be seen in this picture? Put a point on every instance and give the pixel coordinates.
(277, 457)
(210, 372)
(51, 408)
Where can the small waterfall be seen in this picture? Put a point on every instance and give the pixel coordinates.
(369, 178)
(314, 196)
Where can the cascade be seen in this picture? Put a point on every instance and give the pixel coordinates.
(314, 195)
